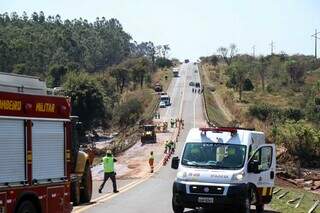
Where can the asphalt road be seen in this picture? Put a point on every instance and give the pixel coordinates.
(153, 193)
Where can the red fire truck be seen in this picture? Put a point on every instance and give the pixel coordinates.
(41, 168)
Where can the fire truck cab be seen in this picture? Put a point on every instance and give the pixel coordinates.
(224, 167)
(38, 170)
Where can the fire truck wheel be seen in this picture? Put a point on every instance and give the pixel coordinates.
(27, 207)
(86, 189)
(75, 193)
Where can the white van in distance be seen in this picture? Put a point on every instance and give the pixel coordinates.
(165, 99)
(229, 167)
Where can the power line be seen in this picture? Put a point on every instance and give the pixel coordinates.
(254, 50)
(272, 46)
(315, 35)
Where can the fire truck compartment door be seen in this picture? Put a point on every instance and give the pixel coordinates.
(56, 199)
(47, 150)
(12, 150)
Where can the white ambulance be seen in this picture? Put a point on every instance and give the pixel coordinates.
(228, 167)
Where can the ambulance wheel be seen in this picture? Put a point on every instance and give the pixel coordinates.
(260, 208)
(75, 193)
(175, 207)
(245, 206)
(27, 207)
(86, 183)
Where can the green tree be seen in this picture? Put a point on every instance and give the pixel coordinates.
(240, 70)
(20, 69)
(121, 74)
(313, 105)
(163, 62)
(301, 141)
(56, 73)
(86, 99)
(129, 112)
(247, 85)
(223, 51)
(295, 71)
(228, 54)
(40, 41)
(109, 87)
(261, 67)
(214, 60)
(4, 57)
(140, 69)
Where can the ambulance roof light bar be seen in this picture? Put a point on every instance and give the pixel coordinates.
(232, 130)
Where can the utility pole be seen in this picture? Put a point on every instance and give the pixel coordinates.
(315, 42)
(254, 50)
(272, 46)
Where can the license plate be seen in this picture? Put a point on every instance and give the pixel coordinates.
(205, 199)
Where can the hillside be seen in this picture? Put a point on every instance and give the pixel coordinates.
(276, 94)
(108, 75)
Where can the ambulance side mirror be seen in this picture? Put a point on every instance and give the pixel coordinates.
(175, 162)
(253, 167)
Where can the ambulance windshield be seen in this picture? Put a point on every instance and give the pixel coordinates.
(214, 155)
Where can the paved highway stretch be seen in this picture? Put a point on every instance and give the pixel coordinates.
(153, 193)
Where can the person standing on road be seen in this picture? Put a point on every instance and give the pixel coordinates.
(170, 146)
(108, 166)
(172, 123)
(165, 126)
(151, 161)
(173, 147)
(166, 145)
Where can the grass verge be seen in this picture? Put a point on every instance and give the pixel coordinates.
(214, 112)
(307, 202)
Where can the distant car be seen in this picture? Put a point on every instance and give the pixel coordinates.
(186, 61)
(162, 93)
(158, 87)
(162, 104)
(195, 70)
(197, 84)
(191, 83)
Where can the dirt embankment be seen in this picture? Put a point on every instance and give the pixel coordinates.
(132, 156)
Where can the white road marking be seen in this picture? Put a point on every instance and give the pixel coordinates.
(194, 111)
(109, 196)
(183, 91)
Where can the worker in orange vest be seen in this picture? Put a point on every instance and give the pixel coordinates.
(151, 161)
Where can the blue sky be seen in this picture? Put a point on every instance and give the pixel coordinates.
(195, 28)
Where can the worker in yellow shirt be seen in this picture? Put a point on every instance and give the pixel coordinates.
(108, 166)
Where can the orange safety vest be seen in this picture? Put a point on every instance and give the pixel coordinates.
(151, 160)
